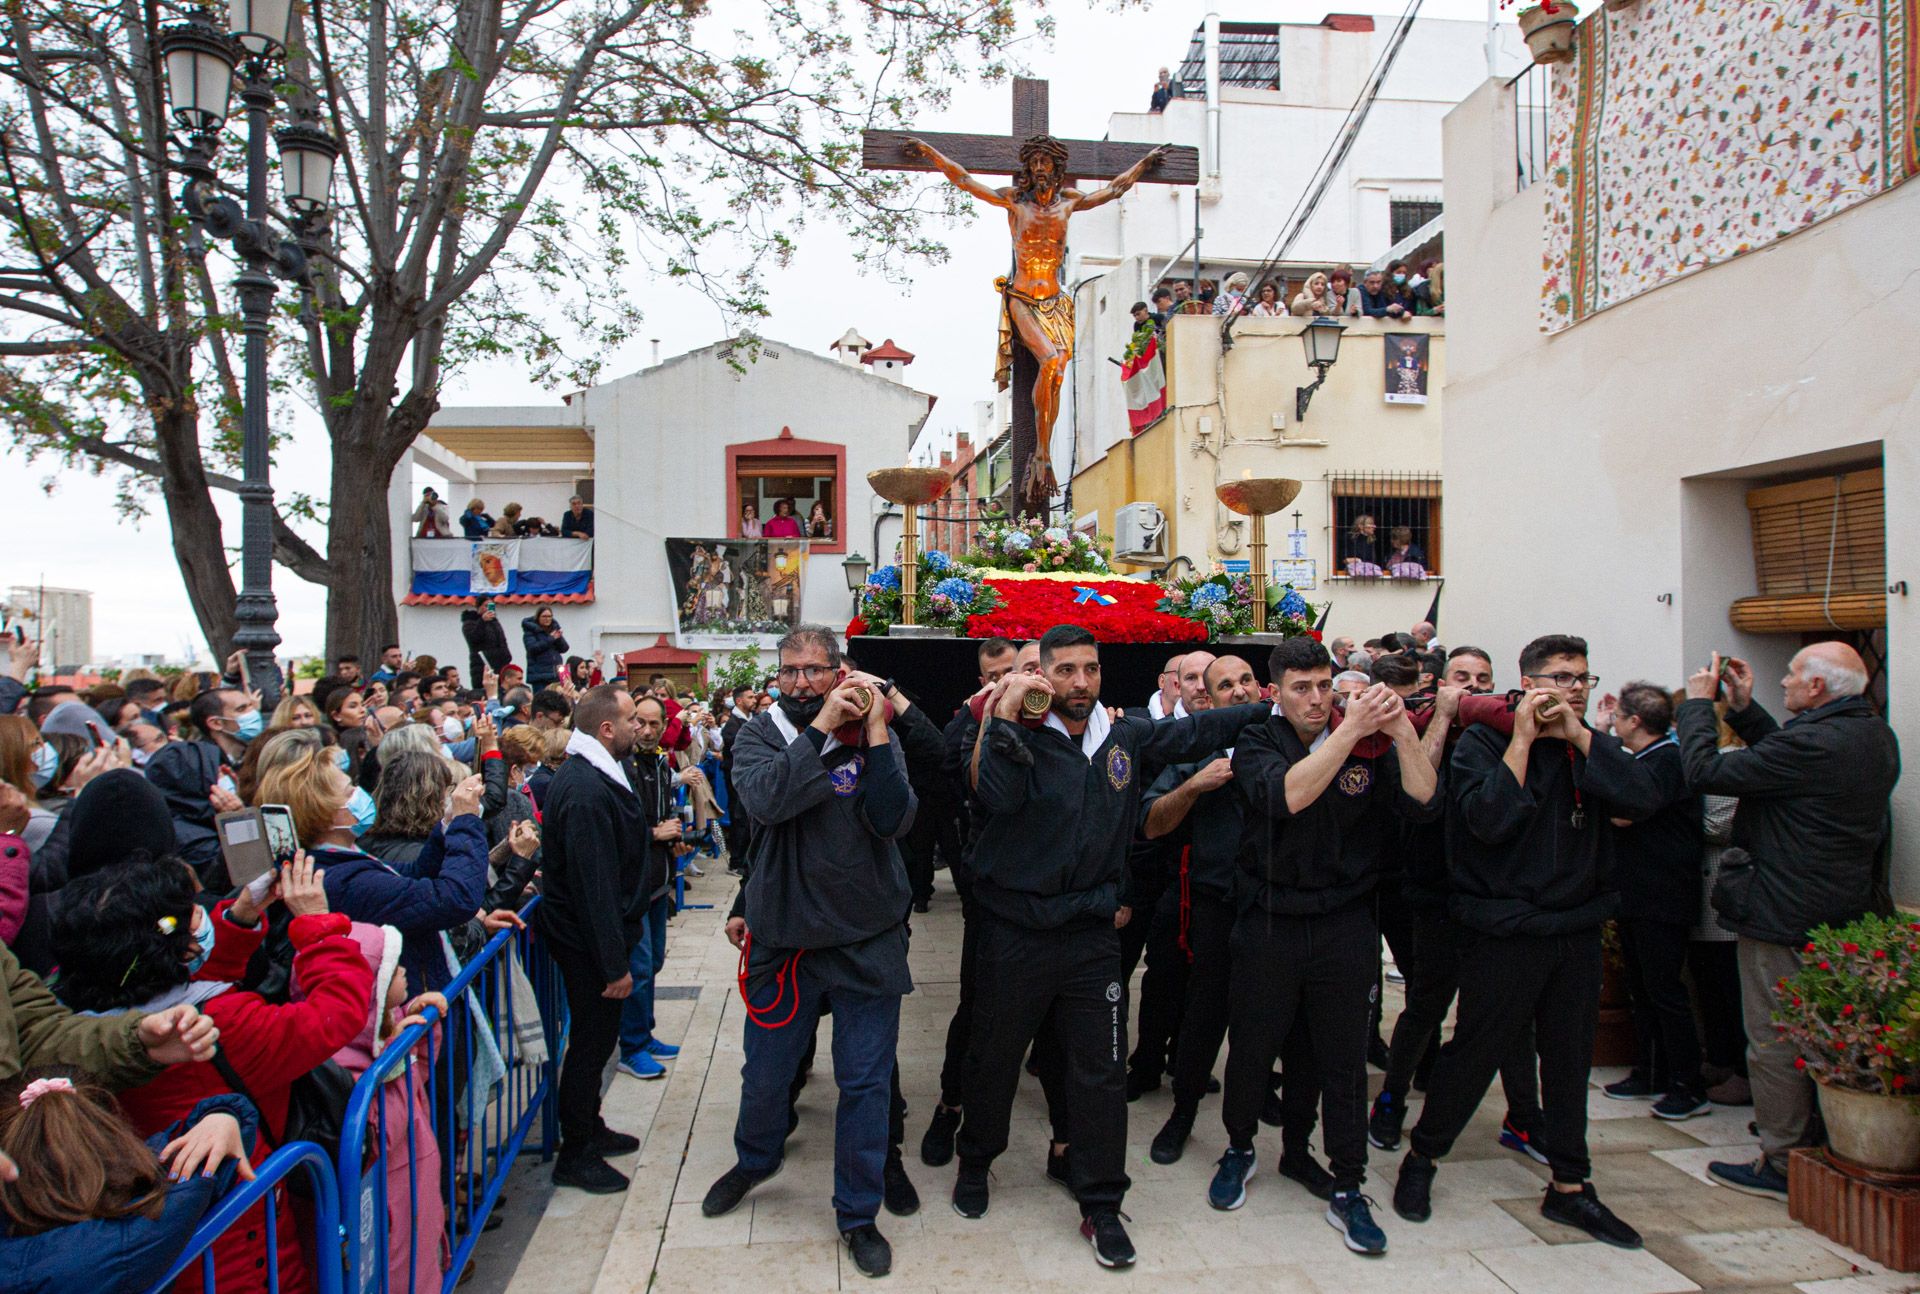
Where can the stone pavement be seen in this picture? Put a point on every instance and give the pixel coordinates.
(1486, 1235)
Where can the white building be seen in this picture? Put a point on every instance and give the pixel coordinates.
(1698, 428)
(62, 619)
(1283, 95)
(671, 451)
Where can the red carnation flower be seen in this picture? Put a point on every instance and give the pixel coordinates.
(1879, 954)
(1849, 947)
(856, 626)
(1808, 948)
(1825, 966)
(1799, 1062)
(1847, 1009)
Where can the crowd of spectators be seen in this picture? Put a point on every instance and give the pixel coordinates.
(1396, 292)
(475, 522)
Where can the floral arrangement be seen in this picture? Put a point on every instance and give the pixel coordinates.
(1853, 1010)
(945, 595)
(1114, 611)
(1034, 547)
(1223, 604)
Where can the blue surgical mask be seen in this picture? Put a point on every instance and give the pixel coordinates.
(249, 725)
(1399, 278)
(204, 938)
(774, 692)
(140, 758)
(360, 805)
(46, 762)
(226, 784)
(341, 760)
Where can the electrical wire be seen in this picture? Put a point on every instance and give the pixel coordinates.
(1335, 156)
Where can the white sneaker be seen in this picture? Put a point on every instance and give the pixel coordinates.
(693, 869)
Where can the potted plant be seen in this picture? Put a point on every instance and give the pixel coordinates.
(1853, 1012)
(1549, 28)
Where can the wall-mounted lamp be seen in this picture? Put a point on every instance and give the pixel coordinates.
(1322, 341)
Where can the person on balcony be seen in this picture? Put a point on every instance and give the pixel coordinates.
(1317, 298)
(1232, 301)
(1341, 283)
(1269, 300)
(1405, 559)
(750, 521)
(1380, 299)
(1429, 295)
(509, 523)
(430, 520)
(578, 521)
(1361, 553)
(783, 524)
(475, 522)
(819, 524)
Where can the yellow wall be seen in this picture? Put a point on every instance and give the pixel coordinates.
(1205, 439)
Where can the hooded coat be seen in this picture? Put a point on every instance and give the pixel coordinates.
(546, 654)
(486, 640)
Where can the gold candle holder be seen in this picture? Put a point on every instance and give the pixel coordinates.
(913, 488)
(1256, 497)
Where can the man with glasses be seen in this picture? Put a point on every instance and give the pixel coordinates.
(1531, 860)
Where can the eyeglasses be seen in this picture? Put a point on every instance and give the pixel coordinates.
(1568, 680)
(815, 673)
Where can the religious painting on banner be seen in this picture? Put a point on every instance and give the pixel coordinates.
(1406, 359)
(491, 567)
(730, 588)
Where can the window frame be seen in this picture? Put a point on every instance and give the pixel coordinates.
(760, 455)
(1429, 486)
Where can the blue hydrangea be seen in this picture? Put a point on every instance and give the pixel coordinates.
(937, 560)
(1206, 595)
(1017, 542)
(955, 588)
(1054, 535)
(1294, 606)
(887, 577)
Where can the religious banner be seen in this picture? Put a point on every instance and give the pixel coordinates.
(1143, 376)
(491, 565)
(1683, 135)
(1406, 360)
(729, 588)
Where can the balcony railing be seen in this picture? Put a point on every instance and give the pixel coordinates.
(1530, 91)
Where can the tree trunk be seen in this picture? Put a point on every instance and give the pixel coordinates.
(361, 616)
(198, 543)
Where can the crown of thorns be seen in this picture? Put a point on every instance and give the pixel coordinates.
(1044, 146)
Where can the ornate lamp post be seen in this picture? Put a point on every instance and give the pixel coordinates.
(200, 62)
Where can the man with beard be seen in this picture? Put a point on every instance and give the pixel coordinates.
(1321, 808)
(597, 852)
(825, 781)
(1061, 802)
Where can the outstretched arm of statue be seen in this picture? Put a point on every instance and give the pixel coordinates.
(956, 174)
(1121, 182)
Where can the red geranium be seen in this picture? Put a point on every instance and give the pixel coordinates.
(856, 626)
(1029, 608)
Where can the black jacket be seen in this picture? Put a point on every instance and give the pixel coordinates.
(1208, 838)
(1813, 808)
(1661, 855)
(184, 772)
(598, 851)
(486, 639)
(546, 655)
(1517, 864)
(1053, 846)
(652, 778)
(1331, 853)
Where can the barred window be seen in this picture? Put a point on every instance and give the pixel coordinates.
(1385, 525)
(1406, 216)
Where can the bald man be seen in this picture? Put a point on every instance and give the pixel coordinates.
(1813, 814)
(1423, 634)
(1194, 696)
(1161, 704)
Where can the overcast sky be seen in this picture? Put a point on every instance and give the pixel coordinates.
(1099, 62)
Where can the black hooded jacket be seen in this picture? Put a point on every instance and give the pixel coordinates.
(486, 639)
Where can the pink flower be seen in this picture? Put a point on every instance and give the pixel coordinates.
(1030, 566)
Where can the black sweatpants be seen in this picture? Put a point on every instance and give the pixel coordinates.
(1552, 981)
(960, 1028)
(1432, 982)
(1656, 955)
(1395, 917)
(1065, 983)
(1715, 965)
(592, 1036)
(917, 852)
(1163, 990)
(1203, 1018)
(1324, 967)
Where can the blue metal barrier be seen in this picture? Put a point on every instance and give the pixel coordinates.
(237, 1203)
(483, 1098)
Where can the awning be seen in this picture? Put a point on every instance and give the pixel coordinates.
(1803, 613)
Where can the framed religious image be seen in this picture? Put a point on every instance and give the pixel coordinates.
(1406, 360)
(724, 588)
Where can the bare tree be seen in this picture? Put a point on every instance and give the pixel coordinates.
(507, 165)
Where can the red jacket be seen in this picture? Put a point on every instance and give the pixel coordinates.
(269, 1046)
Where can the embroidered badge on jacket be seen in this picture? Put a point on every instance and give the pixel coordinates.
(1119, 768)
(1355, 779)
(846, 777)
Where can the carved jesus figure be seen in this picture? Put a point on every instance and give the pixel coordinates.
(1033, 307)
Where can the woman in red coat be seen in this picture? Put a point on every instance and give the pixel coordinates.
(132, 937)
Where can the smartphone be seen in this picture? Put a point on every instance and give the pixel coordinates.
(244, 845)
(283, 842)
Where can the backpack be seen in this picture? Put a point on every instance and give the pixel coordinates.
(316, 1110)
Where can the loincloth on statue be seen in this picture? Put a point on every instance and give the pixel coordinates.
(1054, 314)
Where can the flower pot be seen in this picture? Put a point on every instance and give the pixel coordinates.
(1877, 1132)
(1550, 35)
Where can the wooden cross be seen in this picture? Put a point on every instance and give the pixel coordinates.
(1087, 159)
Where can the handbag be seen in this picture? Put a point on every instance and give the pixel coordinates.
(1731, 888)
(316, 1109)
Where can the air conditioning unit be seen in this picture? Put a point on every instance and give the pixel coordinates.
(1140, 533)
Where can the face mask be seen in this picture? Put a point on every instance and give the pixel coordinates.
(226, 784)
(46, 762)
(451, 729)
(803, 710)
(1399, 278)
(140, 758)
(249, 725)
(774, 692)
(204, 938)
(360, 805)
(341, 760)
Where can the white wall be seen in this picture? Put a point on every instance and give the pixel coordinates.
(1591, 472)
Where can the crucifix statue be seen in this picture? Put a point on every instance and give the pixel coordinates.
(1036, 312)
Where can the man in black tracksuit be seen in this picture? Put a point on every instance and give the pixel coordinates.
(1061, 803)
(826, 918)
(1531, 861)
(1323, 795)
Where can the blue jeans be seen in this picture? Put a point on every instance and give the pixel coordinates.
(644, 959)
(865, 1032)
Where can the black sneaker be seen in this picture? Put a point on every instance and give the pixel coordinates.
(936, 1148)
(1682, 1103)
(1298, 1163)
(870, 1250)
(970, 1192)
(1171, 1141)
(1111, 1247)
(1634, 1087)
(1272, 1112)
(1140, 1083)
(609, 1144)
(724, 1196)
(919, 905)
(1057, 1170)
(1413, 1193)
(590, 1173)
(1583, 1209)
(1377, 1054)
(897, 1190)
(1386, 1119)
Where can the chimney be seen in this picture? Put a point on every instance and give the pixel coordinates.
(888, 360)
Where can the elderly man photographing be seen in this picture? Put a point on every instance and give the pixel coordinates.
(1813, 814)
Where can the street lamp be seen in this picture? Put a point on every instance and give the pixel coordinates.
(855, 569)
(200, 62)
(1321, 338)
